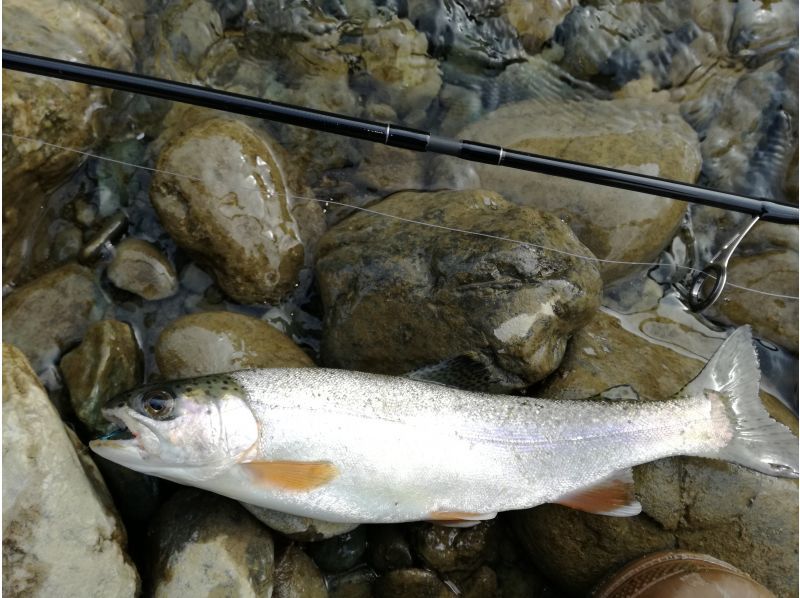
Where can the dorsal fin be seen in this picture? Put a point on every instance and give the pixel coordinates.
(613, 496)
(469, 371)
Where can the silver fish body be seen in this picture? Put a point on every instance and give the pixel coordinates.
(383, 449)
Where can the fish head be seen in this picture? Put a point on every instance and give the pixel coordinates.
(182, 430)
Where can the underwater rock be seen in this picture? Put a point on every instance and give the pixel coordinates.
(61, 535)
(107, 362)
(341, 552)
(454, 550)
(184, 32)
(536, 21)
(42, 109)
(774, 318)
(47, 315)
(302, 529)
(481, 584)
(388, 548)
(400, 295)
(475, 34)
(219, 341)
(140, 268)
(622, 41)
(237, 219)
(625, 134)
(296, 576)
(703, 505)
(202, 544)
(410, 582)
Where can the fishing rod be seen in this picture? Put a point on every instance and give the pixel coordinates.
(396, 135)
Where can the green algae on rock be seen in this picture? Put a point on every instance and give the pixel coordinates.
(235, 215)
(201, 544)
(61, 534)
(625, 134)
(399, 295)
(730, 512)
(107, 362)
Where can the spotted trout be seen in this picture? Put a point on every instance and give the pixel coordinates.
(345, 446)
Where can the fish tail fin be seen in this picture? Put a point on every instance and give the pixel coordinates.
(754, 439)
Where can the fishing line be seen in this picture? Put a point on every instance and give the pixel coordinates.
(403, 219)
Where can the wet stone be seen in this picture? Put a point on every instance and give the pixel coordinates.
(215, 342)
(630, 135)
(455, 550)
(481, 584)
(296, 576)
(99, 242)
(140, 268)
(709, 506)
(399, 295)
(536, 21)
(410, 582)
(61, 534)
(388, 548)
(302, 529)
(107, 362)
(49, 314)
(237, 219)
(341, 552)
(202, 544)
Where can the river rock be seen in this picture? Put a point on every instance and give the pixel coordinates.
(296, 576)
(46, 316)
(400, 295)
(388, 548)
(61, 535)
(536, 22)
(702, 505)
(140, 268)
(453, 550)
(215, 342)
(202, 544)
(625, 134)
(106, 363)
(302, 529)
(237, 219)
(42, 109)
(341, 553)
(410, 582)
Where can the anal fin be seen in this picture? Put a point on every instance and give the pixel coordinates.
(459, 518)
(613, 496)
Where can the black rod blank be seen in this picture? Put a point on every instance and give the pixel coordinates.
(395, 135)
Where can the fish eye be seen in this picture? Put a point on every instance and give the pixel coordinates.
(157, 403)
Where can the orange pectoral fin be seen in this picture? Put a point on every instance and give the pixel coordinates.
(612, 496)
(292, 475)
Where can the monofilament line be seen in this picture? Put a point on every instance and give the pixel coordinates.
(403, 219)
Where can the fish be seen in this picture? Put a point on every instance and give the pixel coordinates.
(354, 447)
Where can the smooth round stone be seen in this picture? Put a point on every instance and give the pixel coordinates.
(448, 549)
(140, 268)
(296, 576)
(107, 362)
(215, 342)
(629, 135)
(201, 544)
(536, 21)
(49, 314)
(341, 552)
(302, 529)
(399, 295)
(703, 505)
(388, 548)
(61, 534)
(235, 217)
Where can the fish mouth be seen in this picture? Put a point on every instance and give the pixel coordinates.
(122, 444)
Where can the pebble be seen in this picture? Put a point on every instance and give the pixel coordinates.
(140, 268)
